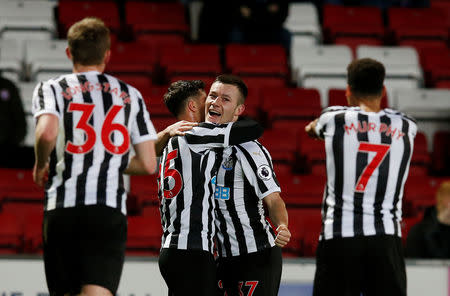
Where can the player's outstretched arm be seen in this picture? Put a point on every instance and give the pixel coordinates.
(177, 129)
(279, 217)
(144, 161)
(45, 134)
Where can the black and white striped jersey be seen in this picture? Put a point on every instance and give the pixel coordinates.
(99, 117)
(244, 178)
(367, 158)
(185, 190)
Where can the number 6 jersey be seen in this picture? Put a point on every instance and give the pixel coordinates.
(368, 157)
(99, 118)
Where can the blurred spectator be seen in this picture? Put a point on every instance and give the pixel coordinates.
(12, 122)
(430, 238)
(215, 21)
(260, 21)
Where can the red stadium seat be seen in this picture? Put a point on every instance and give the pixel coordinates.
(145, 188)
(154, 99)
(160, 123)
(144, 235)
(71, 11)
(419, 191)
(435, 62)
(33, 233)
(132, 57)
(137, 81)
(420, 154)
(311, 152)
(441, 152)
(347, 21)
(281, 150)
(291, 103)
(256, 60)
(160, 41)
(336, 97)
(443, 84)
(407, 223)
(197, 59)
(11, 234)
(157, 17)
(253, 103)
(18, 184)
(302, 190)
(305, 226)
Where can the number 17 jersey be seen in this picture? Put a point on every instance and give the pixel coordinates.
(367, 159)
(100, 117)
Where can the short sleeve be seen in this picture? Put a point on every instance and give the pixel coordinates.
(44, 100)
(142, 128)
(325, 117)
(258, 169)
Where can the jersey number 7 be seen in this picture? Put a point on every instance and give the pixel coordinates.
(381, 150)
(107, 128)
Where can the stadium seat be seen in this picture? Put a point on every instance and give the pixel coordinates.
(132, 57)
(407, 223)
(350, 21)
(400, 18)
(302, 190)
(291, 103)
(256, 60)
(354, 42)
(17, 184)
(336, 97)
(441, 153)
(11, 58)
(419, 192)
(253, 103)
(282, 151)
(305, 226)
(47, 56)
(160, 123)
(156, 17)
(144, 235)
(145, 189)
(71, 11)
(137, 81)
(433, 61)
(11, 234)
(196, 59)
(323, 85)
(303, 22)
(423, 103)
(33, 233)
(420, 154)
(310, 153)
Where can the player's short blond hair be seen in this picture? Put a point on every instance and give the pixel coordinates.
(444, 189)
(88, 41)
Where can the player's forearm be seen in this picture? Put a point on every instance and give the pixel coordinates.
(245, 130)
(43, 147)
(144, 162)
(277, 210)
(161, 142)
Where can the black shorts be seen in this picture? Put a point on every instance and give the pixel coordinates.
(83, 246)
(371, 265)
(252, 274)
(188, 272)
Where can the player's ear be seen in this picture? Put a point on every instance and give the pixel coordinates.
(384, 91)
(191, 105)
(348, 94)
(68, 54)
(239, 110)
(107, 57)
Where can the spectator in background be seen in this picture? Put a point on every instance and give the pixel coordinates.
(260, 21)
(430, 238)
(13, 123)
(215, 21)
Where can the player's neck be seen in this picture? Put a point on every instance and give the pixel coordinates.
(370, 105)
(77, 68)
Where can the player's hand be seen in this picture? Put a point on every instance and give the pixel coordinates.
(40, 175)
(283, 236)
(179, 128)
(310, 129)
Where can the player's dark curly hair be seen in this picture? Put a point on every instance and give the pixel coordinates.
(236, 81)
(179, 91)
(365, 77)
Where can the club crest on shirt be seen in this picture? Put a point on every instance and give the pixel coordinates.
(228, 164)
(264, 172)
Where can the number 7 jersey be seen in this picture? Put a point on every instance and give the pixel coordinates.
(100, 117)
(367, 159)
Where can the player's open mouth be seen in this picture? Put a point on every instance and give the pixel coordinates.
(213, 113)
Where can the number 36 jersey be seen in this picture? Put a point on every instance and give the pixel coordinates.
(100, 117)
(367, 159)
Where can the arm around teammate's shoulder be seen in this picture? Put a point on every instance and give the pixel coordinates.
(279, 217)
(144, 161)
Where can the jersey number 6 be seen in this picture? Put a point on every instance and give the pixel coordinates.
(173, 174)
(107, 128)
(381, 151)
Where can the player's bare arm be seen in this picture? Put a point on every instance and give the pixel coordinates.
(46, 134)
(310, 129)
(177, 129)
(279, 217)
(144, 161)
